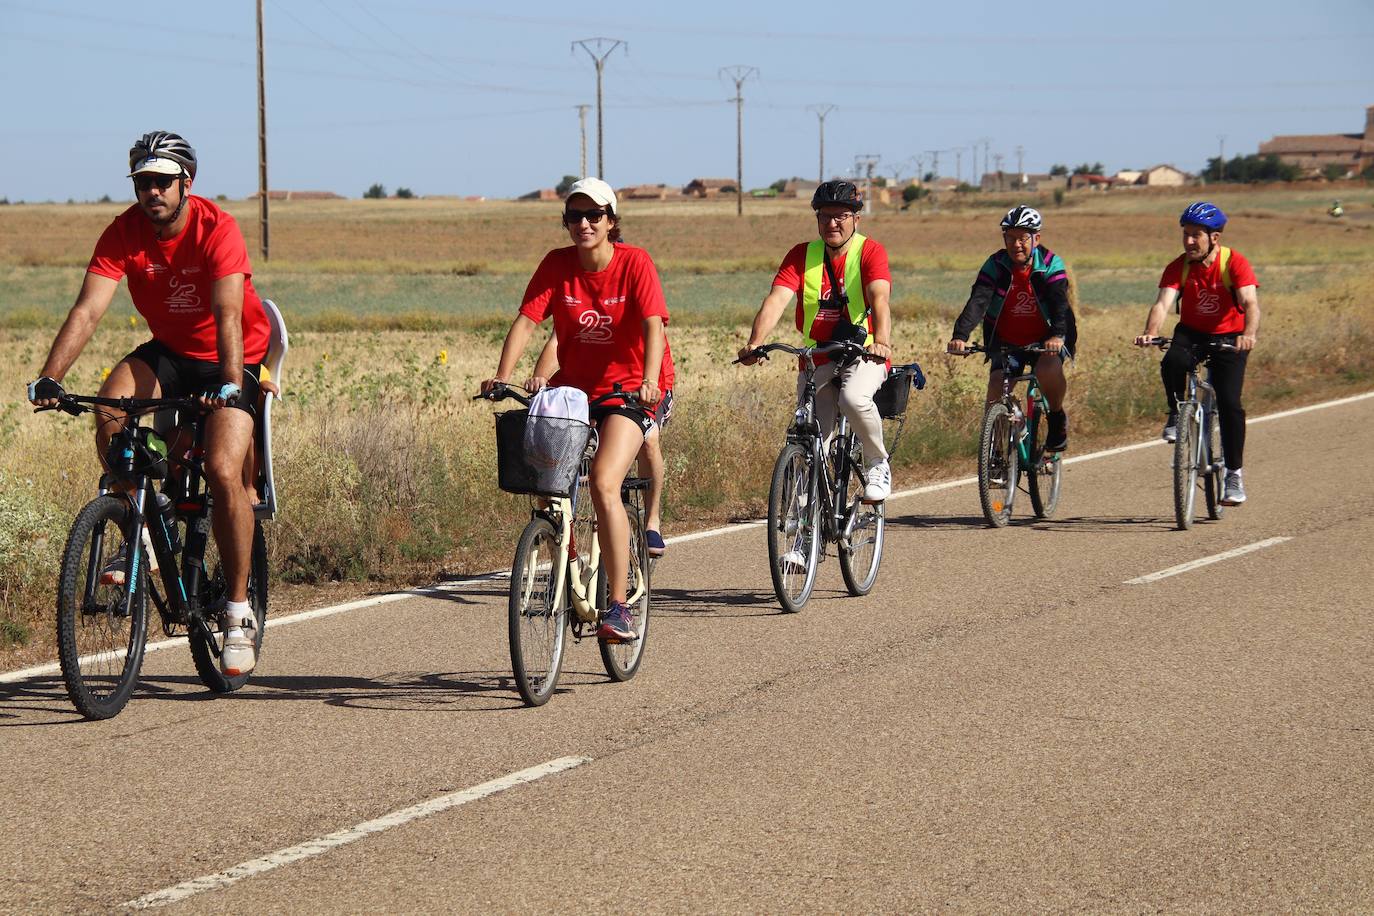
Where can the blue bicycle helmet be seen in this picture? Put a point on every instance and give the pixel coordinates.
(1205, 215)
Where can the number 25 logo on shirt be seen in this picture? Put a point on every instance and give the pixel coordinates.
(1208, 302)
(596, 327)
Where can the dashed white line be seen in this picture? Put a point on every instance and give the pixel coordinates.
(321, 845)
(1206, 561)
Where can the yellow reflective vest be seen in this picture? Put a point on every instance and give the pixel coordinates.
(853, 286)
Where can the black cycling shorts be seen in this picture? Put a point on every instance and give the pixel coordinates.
(645, 419)
(180, 376)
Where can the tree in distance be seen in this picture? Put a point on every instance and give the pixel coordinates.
(376, 192)
(405, 193)
(1250, 169)
(1059, 169)
(563, 186)
(1085, 169)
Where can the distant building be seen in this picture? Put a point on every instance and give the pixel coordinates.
(707, 187)
(541, 194)
(1314, 152)
(1092, 182)
(648, 192)
(1164, 176)
(297, 195)
(800, 188)
(1126, 177)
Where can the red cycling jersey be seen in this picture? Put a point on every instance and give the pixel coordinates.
(1206, 304)
(170, 280)
(1020, 322)
(598, 317)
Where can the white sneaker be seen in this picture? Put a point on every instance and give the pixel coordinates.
(1234, 493)
(238, 656)
(878, 482)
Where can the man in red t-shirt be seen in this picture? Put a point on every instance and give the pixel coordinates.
(189, 277)
(823, 311)
(1217, 297)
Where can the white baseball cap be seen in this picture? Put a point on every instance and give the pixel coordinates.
(158, 165)
(597, 190)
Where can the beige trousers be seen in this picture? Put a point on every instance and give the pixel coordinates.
(855, 399)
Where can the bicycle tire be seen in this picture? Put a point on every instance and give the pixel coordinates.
(100, 647)
(791, 514)
(997, 455)
(213, 588)
(622, 659)
(1185, 467)
(1213, 485)
(1044, 488)
(859, 560)
(537, 630)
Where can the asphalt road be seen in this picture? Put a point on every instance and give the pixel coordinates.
(1004, 724)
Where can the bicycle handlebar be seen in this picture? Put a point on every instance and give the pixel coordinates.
(502, 390)
(77, 404)
(998, 351)
(1215, 345)
(761, 352)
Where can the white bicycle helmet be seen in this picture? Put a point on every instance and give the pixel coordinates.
(1022, 217)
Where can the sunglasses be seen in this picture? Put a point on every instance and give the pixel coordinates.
(161, 182)
(573, 217)
(836, 218)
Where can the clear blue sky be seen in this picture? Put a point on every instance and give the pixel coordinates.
(463, 98)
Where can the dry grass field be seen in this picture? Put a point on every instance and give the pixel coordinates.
(398, 308)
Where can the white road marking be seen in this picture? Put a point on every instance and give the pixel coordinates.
(51, 668)
(323, 844)
(1206, 561)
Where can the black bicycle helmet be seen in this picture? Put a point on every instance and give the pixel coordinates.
(837, 194)
(1022, 217)
(160, 144)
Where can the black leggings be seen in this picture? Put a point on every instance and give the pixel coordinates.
(1228, 377)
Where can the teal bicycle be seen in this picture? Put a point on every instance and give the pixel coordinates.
(1011, 447)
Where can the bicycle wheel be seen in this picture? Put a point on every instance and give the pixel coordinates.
(538, 630)
(1214, 482)
(794, 542)
(622, 659)
(1045, 476)
(861, 552)
(214, 588)
(997, 465)
(101, 628)
(1185, 466)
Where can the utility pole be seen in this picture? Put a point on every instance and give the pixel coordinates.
(582, 123)
(739, 73)
(998, 159)
(262, 142)
(1221, 157)
(599, 49)
(985, 141)
(1020, 170)
(959, 164)
(935, 161)
(821, 111)
(864, 164)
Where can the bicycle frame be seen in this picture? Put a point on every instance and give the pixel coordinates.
(1200, 403)
(1036, 401)
(836, 521)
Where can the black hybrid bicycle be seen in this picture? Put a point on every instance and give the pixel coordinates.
(124, 547)
(1012, 443)
(816, 494)
(1198, 461)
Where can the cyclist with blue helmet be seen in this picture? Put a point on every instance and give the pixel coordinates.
(1216, 294)
(1021, 296)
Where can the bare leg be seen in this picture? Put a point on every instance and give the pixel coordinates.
(621, 439)
(131, 378)
(228, 438)
(651, 466)
(1049, 369)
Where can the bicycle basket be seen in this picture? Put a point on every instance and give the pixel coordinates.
(538, 456)
(892, 396)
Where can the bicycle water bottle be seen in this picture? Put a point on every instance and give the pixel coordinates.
(167, 510)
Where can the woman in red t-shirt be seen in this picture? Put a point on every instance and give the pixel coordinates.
(608, 315)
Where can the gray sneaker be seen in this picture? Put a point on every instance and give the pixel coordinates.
(1234, 493)
(1171, 428)
(238, 655)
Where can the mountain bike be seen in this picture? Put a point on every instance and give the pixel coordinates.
(123, 548)
(1198, 458)
(815, 497)
(558, 585)
(1012, 442)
